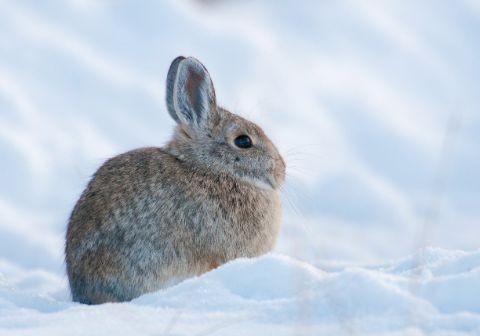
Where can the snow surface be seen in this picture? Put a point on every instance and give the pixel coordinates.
(434, 292)
(374, 105)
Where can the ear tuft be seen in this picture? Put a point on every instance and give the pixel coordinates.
(190, 94)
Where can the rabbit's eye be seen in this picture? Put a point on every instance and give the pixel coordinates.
(243, 141)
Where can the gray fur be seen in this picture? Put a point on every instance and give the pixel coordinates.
(171, 77)
(154, 216)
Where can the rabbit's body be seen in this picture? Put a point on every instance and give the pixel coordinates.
(154, 216)
(210, 222)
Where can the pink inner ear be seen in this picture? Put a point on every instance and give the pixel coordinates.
(192, 87)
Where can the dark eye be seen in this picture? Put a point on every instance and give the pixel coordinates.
(243, 141)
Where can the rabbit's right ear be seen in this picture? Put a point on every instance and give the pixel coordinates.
(190, 94)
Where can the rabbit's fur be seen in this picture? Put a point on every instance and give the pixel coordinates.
(154, 216)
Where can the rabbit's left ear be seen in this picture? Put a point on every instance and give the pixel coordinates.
(190, 94)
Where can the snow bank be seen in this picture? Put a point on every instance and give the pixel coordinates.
(434, 292)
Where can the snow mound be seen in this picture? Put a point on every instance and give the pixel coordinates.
(434, 292)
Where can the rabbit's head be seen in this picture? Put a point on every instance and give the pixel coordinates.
(210, 137)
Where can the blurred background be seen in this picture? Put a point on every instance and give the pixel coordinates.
(374, 105)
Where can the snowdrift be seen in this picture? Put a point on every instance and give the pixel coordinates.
(434, 292)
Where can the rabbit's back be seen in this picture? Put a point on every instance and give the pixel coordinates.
(148, 219)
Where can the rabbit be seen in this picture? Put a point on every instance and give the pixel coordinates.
(152, 217)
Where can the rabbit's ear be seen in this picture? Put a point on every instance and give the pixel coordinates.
(171, 77)
(190, 94)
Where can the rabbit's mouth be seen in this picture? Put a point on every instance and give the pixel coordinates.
(266, 184)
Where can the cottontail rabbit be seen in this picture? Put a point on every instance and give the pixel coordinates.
(154, 216)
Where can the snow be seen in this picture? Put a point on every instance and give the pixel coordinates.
(374, 106)
(274, 294)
